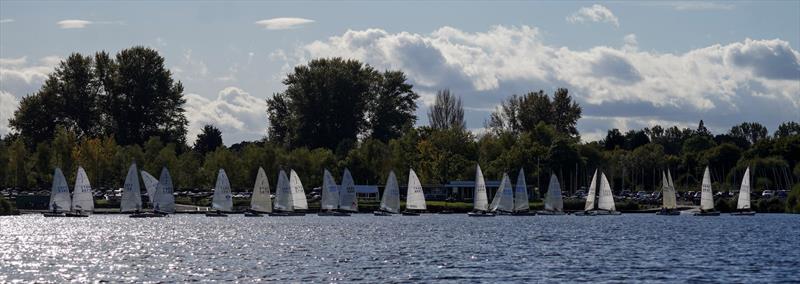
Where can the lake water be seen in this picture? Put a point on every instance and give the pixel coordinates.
(429, 248)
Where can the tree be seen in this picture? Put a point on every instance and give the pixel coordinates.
(787, 129)
(635, 138)
(702, 130)
(447, 112)
(393, 108)
(566, 113)
(208, 140)
(280, 119)
(17, 166)
(750, 131)
(614, 139)
(522, 113)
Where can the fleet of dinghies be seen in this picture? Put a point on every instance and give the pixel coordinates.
(342, 200)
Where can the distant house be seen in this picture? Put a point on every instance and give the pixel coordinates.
(463, 190)
(368, 192)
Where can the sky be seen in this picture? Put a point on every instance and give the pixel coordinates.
(629, 64)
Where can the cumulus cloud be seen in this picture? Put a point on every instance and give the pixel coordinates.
(721, 83)
(283, 23)
(190, 67)
(595, 13)
(239, 115)
(19, 77)
(73, 24)
(8, 104)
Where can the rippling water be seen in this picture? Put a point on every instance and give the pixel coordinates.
(364, 248)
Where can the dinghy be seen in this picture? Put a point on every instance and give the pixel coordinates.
(390, 201)
(150, 184)
(82, 198)
(164, 200)
(260, 201)
(521, 205)
(503, 201)
(669, 200)
(299, 202)
(338, 201)
(743, 204)
(553, 202)
(605, 204)
(131, 201)
(480, 202)
(284, 202)
(222, 201)
(706, 197)
(59, 196)
(415, 197)
(589, 208)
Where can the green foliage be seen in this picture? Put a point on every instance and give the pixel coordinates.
(772, 205)
(447, 112)
(6, 208)
(793, 200)
(523, 113)
(208, 140)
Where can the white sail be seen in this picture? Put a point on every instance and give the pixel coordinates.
(707, 196)
(59, 193)
(669, 199)
(131, 192)
(283, 193)
(348, 199)
(82, 198)
(553, 200)
(150, 184)
(521, 193)
(606, 200)
(330, 192)
(415, 197)
(506, 203)
(480, 201)
(223, 198)
(164, 200)
(498, 195)
(744, 192)
(669, 179)
(592, 192)
(260, 200)
(299, 201)
(390, 201)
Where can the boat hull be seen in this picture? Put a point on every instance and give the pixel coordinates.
(409, 213)
(606, 213)
(585, 213)
(333, 213)
(147, 215)
(666, 212)
(286, 214)
(480, 214)
(216, 214)
(550, 213)
(381, 213)
(744, 213)
(706, 214)
(76, 215)
(53, 214)
(253, 214)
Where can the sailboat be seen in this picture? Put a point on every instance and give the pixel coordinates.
(260, 201)
(669, 200)
(706, 197)
(588, 209)
(605, 204)
(553, 202)
(164, 200)
(82, 198)
(59, 196)
(743, 204)
(521, 205)
(390, 201)
(503, 201)
(415, 197)
(131, 193)
(284, 202)
(222, 201)
(150, 184)
(480, 202)
(338, 201)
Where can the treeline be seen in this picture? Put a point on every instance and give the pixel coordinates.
(104, 113)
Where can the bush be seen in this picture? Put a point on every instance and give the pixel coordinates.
(772, 205)
(627, 205)
(6, 208)
(793, 201)
(725, 205)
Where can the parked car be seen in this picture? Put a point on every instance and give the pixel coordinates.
(767, 194)
(782, 194)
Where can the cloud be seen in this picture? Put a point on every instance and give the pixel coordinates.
(73, 24)
(239, 115)
(283, 23)
(19, 78)
(6, 21)
(190, 67)
(723, 84)
(595, 13)
(8, 104)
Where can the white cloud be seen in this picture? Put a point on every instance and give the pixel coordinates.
(239, 115)
(6, 21)
(19, 78)
(595, 13)
(723, 83)
(190, 67)
(13, 61)
(283, 23)
(73, 24)
(8, 104)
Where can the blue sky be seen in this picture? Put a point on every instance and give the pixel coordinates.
(629, 64)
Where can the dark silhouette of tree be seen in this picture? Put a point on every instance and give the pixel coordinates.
(787, 129)
(750, 131)
(131, 98)
(208, 140)
(280, 118)
(393, 107)
(566, 113)
(521, 114)
(447, 112)
(614, 139)
(635, 139)
(702, 130)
